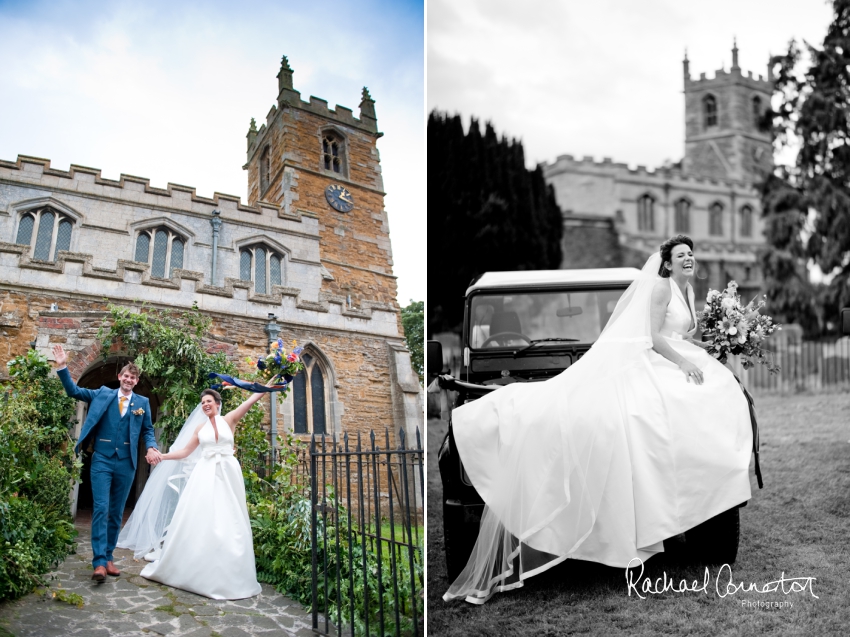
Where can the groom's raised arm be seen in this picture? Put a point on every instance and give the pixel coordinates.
(59, 360)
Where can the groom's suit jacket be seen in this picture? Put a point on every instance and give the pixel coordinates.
(100, 401)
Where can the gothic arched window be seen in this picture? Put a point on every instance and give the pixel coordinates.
(756, 111)
(682, 221)
(715, 219)
(746, 221)
(262, 265)
(160, 247)
(709, 110)
(646, 213)
(52, 232)
(333, 152)
(309, 403)
(265, 170)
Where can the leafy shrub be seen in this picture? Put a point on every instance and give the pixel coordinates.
(37, 468)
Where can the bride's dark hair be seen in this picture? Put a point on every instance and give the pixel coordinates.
(667, 251)
(211, 392)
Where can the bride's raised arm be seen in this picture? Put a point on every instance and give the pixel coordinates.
(233, 417)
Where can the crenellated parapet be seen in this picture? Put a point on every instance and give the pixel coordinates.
(620, 170)
(288, 97)
(84, 179)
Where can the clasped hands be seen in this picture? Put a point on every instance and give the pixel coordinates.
(153, 456)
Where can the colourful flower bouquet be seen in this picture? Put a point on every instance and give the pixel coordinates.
(279, 364)
(736, 329)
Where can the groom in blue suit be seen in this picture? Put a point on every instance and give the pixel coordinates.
(115, 420)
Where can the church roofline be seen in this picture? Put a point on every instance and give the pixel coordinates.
(620, 170)
(38, 166)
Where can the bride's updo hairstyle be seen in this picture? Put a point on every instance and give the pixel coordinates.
(667, 252)
(211, 392)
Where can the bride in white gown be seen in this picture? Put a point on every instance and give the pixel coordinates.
(208, 547)
(642, 439)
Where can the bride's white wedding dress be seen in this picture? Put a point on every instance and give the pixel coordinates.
(606, 460)
(208, 546)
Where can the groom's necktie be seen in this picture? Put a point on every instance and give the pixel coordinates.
(121, 401)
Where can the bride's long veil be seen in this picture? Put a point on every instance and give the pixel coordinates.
(151, 516)
(540, 454)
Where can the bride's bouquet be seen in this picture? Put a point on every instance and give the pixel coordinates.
(279, 364)
(733, 328)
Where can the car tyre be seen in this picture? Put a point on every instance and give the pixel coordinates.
(715, 541)
(460, 530)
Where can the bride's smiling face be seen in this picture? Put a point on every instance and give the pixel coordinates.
(209, 406)
(682, 262)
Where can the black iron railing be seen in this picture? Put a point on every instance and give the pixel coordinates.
(367, 536)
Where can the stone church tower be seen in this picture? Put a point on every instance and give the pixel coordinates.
(312, 160)
(723, 135)
(617, 215)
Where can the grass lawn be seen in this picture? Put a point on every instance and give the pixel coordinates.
(796, 525)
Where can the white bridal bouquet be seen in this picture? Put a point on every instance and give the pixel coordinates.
(733, 328)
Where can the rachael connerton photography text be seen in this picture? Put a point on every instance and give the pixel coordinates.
(724, 584)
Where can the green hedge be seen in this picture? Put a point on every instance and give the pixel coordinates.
(37, 468)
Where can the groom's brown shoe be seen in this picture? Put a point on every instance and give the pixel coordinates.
(111, 570)
(99, 574)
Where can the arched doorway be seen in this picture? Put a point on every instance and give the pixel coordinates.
(104, 373)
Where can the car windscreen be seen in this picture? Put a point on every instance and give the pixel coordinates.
(500, 320)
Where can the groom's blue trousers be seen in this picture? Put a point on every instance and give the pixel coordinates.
(111, 479)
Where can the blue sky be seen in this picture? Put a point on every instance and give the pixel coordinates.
(166, 90)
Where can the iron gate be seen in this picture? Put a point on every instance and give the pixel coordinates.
(367, 536)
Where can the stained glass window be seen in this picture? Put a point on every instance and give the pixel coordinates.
(299, 393)
(176, 255)
(143, 245)
(45, 236)
(25, 230)
(274, 269)
(715, 219)
(709, 107)
(309, 406)
(683, 216)
(317, 387)
(259, 270)
(63, 237)
(646, 213)
(746, 221)
(160, 250)
(245, 265)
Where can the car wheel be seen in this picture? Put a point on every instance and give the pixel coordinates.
(460, 530)
(715, 541)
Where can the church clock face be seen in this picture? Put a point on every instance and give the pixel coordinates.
(339, 198)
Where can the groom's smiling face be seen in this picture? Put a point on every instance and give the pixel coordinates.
(127, 380)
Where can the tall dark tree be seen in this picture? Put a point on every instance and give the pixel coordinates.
(812, 117)
(486, 212)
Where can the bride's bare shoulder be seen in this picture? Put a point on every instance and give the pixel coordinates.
(662, 292)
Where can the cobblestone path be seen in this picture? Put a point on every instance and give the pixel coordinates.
(130, 605)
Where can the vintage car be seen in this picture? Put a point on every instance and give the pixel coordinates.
(522, 327)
